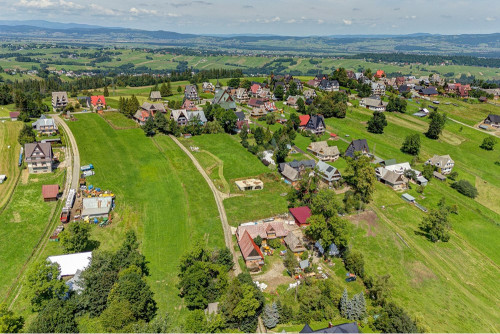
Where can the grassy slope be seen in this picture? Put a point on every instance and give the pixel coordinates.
(159, 194)
(22, 224)
(9, 132)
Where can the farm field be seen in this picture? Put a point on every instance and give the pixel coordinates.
(159, 194)
(9, 131)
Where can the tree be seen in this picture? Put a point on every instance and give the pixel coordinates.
(377, 123)
(9, 322)
(279, 92)
(179, 89)
(75, 238)
(44, 284)
(196, 322)
(354, 262)
(396, 104)
(161, 122)
(436, 125)
(436, 226)
(282, 150)
(227, 119)
(301, 106)
(106, 92)
(361, 177)
(26, 135)
(213, 127)
(325, 202)
(132, 288)
(292, 89)
(488, 143)
(270, 118)
(245, 83)
(56, 317)
(241, 304)
(149, 127)
(117, 316)
(395, 320)
(411, 145)
(259, 135)
(290, 262)
(428, 172)
(225, 258)
(465, 188)
(344, 303)
(270, 316)
(234, 82)
(258, 240)
(379, 289)
(453, 175)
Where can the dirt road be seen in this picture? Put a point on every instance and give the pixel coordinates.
(220, 206)
(73, 158)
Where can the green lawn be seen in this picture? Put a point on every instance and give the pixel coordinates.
(118, 120)
(22, 224)
(159, 193)
(9, 131)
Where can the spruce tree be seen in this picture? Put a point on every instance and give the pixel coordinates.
(344, 300)
(149, 127)
(106, 92)
(270, 316)
(161, 122)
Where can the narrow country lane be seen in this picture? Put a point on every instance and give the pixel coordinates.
(74, 158)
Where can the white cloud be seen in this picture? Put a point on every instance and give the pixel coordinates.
(100, 10)
(489, 19)
(172, 15)
(413, 17)
(291, 21)
(137, 11)
(347, 22)
(275, 19)
(47, 4)
(320, 21)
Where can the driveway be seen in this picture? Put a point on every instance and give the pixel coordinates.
(73, 158)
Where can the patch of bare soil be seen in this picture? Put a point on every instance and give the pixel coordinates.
(366, 219)
(273, 277)
(25, 176)
(17, 217)
(420, 273)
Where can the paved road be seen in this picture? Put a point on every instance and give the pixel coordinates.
(74, 157)
(220, 206)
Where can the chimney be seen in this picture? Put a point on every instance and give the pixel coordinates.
(330, 325)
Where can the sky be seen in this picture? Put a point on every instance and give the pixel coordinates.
(278, 17)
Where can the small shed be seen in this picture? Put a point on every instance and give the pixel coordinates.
(304, 264)
(212, 308)
(439, 176)
(408, 198)
(3, 178)
(301, 214)
(14, 115)
(50, 192)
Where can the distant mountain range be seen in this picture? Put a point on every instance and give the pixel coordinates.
(487, 45)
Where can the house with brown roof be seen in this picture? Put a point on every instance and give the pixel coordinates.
(252, 255)
(294, 244)
(208, 87)
(189, 105)
(324, 152)
(291, 175)
(50, 192)
(266, 231)
(148, 110)
(39, 157)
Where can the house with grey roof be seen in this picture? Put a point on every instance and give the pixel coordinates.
(372, 103)
(291, 176)
(300, 166)
(39, 157)
(191, 93)
(378, 88)
(327, 173)
(493, 120)
(59, 100)
(357, 145)
(45, 125)
(294, 244)
(443, 163)
(183, 117)
(392, 179)
(224, 99)
(155, 95)
(316, 125)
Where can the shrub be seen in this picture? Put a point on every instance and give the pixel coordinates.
(488, 143)
(465, 188)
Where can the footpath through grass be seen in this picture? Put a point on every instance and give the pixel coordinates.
(159, 194)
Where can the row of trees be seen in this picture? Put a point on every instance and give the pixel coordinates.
(114, 290)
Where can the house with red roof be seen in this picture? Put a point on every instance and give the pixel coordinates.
(304, 119)
(14, 115)
(189, 105)
(252, 255)
(50, 192)
(98, 102)
(255, 89)
(379, 74)
(301, 214)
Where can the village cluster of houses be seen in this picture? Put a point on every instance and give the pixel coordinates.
(60, 101)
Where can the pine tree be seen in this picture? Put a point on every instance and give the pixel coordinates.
(149, 127)
(344, 301)
(106, 92)
(169, 88)
(270, 316)
(163, 90)
(161, 122)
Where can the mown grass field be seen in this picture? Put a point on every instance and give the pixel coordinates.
(22, 224)
(9, 131)
(159, 194)
(225, 151)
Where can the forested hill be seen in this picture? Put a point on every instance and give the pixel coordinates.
(484, 45)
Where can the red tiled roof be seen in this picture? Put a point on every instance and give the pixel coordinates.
(50, 190)
(255, 88)
(14, 114)
(248, 247)
(97, 99)
(304, 119)
(301, 214)
(379, 73)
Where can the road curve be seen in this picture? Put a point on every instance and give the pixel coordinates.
(74, 158)
(220, 206)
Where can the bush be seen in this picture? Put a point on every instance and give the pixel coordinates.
(274, 243)
(465, 188)
(355, 263)
(488, 143)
